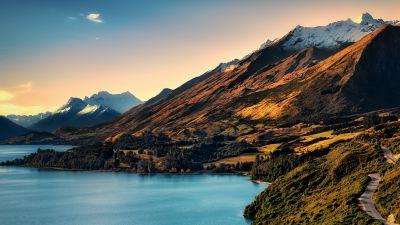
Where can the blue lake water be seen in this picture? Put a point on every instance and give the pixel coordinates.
(48, 197)
(10, 152)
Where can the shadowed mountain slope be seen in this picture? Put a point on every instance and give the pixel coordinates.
(9, 129)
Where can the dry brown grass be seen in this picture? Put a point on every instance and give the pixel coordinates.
(327, 142)
(326, 134)
(236, 159)
(269, 148)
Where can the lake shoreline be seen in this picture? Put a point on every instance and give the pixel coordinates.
(202, 172)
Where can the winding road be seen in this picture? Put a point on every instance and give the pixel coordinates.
(366, 198)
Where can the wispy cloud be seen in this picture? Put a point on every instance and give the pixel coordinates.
(7, 104)
(5, 96)
(9, 93)
(22, 88)
(11, 108)
(95, 17)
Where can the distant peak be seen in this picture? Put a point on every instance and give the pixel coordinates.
(73, 99)
(106, 93)
(166, 89)
(127, 93)
(365, 18)
(103, 92)
(298, 27)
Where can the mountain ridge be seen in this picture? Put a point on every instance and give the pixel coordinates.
(9, 129)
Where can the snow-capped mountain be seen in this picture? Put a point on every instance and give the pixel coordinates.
(98, 108)
(73, 105)
(76, 113)
(331, 36)
(27, 120)
(119, 102)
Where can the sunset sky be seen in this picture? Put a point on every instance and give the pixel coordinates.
(51, 50)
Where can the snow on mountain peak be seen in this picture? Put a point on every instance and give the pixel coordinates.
(228, 66)
(63, 110)
(89, 109)
(119, 102)
(72, 104)
(332, 35)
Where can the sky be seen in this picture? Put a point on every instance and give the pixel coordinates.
(51, 50)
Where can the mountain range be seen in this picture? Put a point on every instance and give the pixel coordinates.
(118, 102)
(96, 109)
(27, 120)
(310, 73)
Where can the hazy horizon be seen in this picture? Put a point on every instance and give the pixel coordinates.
(53, 50)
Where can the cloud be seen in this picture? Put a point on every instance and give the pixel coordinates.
(72, 18)
(94, 17)
(10, 108)
(9, 93)
(5, 96)
(22, 88)
(6, 100)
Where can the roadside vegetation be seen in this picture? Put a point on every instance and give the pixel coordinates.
(320, 190)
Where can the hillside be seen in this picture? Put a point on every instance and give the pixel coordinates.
(358, 79)
(9, 129)
(326, 188)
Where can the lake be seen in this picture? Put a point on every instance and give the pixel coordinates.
(48, 197)
(10, 152)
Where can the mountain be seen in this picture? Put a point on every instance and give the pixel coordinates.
(9, 129)
(96, 109)
(276, 83)
(28, 120)
(118, 102)
(164, 93)
(76, 113)
(331, 36)
(360, 78)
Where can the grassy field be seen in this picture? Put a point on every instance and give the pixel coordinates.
(186, 147)
(236, 159)
(326, 134)
(269, 148)
(325, 143)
